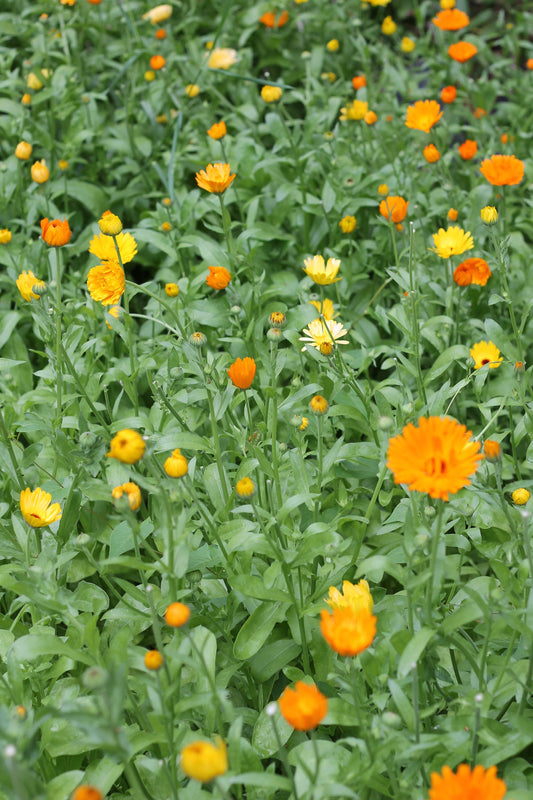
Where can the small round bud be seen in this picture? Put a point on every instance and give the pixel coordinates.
(198, 339)
(110, 224)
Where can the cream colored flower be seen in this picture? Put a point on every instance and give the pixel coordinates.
(322, 332)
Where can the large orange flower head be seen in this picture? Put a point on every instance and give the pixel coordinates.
(502, 170)
(55, 232)
(467, 784)
(472, 270)
(423, 115)
(462, 51)
(215, 178)
(348, 632)
(106, 283)
(304, 707)
(468, 149)
(218, 278)
(242, 372)
(451, 20)
(394, 207)
(437, 457)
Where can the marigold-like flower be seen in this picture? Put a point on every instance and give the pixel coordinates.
(452, 242)
(333, 45)
(40, 172)
(489, 215)
(204, 761)
(388, 26)
(479, 112)
(472, 270)
(462, 51)
(106, 283)
(492, 450)
(437, 457)
(467, 784)
(270, 94)
(160, 34)
(132, 492)
(431, 154)
(304, 423)
(192, 90)
(468, 149)
(423, 115)
(452, 214)
(529, 63)
(394, 207)
(448, 94)
(407, 45)
(242, 372)
(383, 189)
(5, 236)
(218, 130)
(177, 614)
(159, 13)
(347, 224)
(157, 62)
(149, 75)
(268, 19)
(172, 289)
(502, 170)
(153, 660)
(370, 117)
(23, 150)
(303, 707)
(486, 353)
(447, 4)
(451, 20)
(26, 99)
(215, 178)
(36, 509)
(245, 487)
(324, 308)
(348, 632)
(103, 247)
(176, 465)
(127, 446)
(277, 319)
(222, 58)
(354, 596)
(110, 224)
(218, 278)
(320, 272)
(55, 232)
(318, 404)
(376, 2)
(355, 111)
(324, 331)
(520, 496)
(26, 282)
(87, 792)
(358, 81)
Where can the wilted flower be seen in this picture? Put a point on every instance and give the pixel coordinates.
(462, 51)
(36, 509)
(132, 492)
(303, 707)
(320, 272)
(55, 232)
(452, 242)
(215, 178)
(423, 115)
(242, 372)
(486, 353)
(218, 278)
(502, 170)
(127, 446)
(204, 761)
(222, 58)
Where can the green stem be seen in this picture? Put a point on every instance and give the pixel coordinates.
(59, 364)
(433, 561)
(216, 442)
(128, 325)
(274, 431)
(83, 391)
(283, 756)
(414, 314)
(5, 436)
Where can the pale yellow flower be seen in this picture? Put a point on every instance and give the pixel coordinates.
(320, 272)
(322, 332)
(222, 58)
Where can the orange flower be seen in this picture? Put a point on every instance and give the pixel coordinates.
(153, 660)
(218, 278)
(492, 450)
(106, 283)
(177, 615)
(215, 178)
(467, 784)
(370, 117)
(87, 793)
(395, 206)
(431, 154)
(242, 372)
(462, 51)
(451, 20)
(448, 94)
(359, 81)
(502, 170)
(218, 130)
(468, 149)
(160, 33)
(479, 112)
(472, 270)
(453, 214)
(529, 63)
(436, 458)
(348, 632)
(157, 62)
(304, 707)
(55, 232)
(269, 19)
(423, 115)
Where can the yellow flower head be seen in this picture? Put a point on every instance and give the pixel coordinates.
(132, 492)
(192, 90)
(39, 171)
(347, 224)
(320, 272)
(110, 224)
(318, 404)
(376, 2)
(355, 596)
(452, 242)
(324, 331)
(423, 115)
(407, 45)
(270, 94)
(245, 487)
(158, 13)
(23, 150)
(27, 283)
(103, 247)
(388, 26)
(127, 446)
(106, 283)
(176, 465)
(325, 309)
(355, 111)
(333, 45)
(222, 58)
(204, 761)
(5, 236)
(489, 215)
(36, 509)
(153, 660)
(215, 178)
(520, 496)
(172, 289)
(485, 353)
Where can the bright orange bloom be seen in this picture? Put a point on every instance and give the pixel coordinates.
(423, 115)
(304, 707)
(269, 19)
(359, 81)
(157, 62)
(466, 784)
(218, 130)
(370, 117)
(431, 154)
(502, 170)
(177, 615)
(451, 20)
(348, 632)
(462, 51)
(479, 112)
(395, 206)
(153, 660)
(218, 278)
(492, 450)
(242, 372)
(529, 63)
(436, 458)
(87, 792)
(448, 94)
(468, 149)
(106, 283)
(160, 33)
(55, 232)
(215, 178)
(453, 214)
(472, 270)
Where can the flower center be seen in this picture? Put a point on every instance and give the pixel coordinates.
(485, 361)
(435, 466)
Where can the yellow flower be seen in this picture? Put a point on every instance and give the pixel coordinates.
(324, 331)
(376, 2)
(333, 45)
(127, 446)
(204, 761)
(172, 289)
(485, 353)
(446, 4)
(489, 215)
(106, 283)
(215, 178)
(103, 247)
(271, 93)
(33, 82)
(304, 424)
(245, 487)
(383, 189)
(110, 224)
(36, 509)
(407, 45)
(26, 99)
(149, 75)
(153, 660)
(192, 90)
(176, 465)
(520, 496)
(347, 224)
(23, 150)
(388, 26)
(322, 273)
(27, 283)
(40, 172)
(62, 164)
(325, 308)
(423, 115)
(452, 242)
(5, 236)
(355, 111)
(158, 13)
(132, 492)
(354, 596)
(115, 312)
(318, 404)
(222, 58)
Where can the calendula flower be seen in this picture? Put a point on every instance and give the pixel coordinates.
(318, 404)
(115, 312)
(451, 20)
(489, 215)
(87, 792)
(198, 339)
(486, 353)
(376, 2)
(218, 278)
(472, 270)
(23, 150)
(478, 113)
(355, 111)
(270, 94)
(394, 208)
(423, 115)
(26, 99)
(157, 62)
(110, 224)
(149, 75)
(320, 272)
(324, 331)
(5, 236)
(431, 154)
(204, 761)
(269, 19)
(359, 81)
(160, 34)
(158, 13)
(468, 149)
(166, 227)
(36, 509)
(103, 247)
(466, 784)
(447, 4)
(215, 178)
(348, 632)
(448, 94)
(407, 45)
(245, 487)
(127, 446)
(172, 289)
(303, 424)
(62, 164)
(370, 117)
(333, 45)
(277, 319)
(502, 170)
(452, 214)
(176, 465)
(55, 232)
(177, 615)
(217, 130)
(39, 171)
(520, 496)
(153, 660)
(347, 224)
(192, 90)
(325, 308)
(242, 372)
(452, 242)
(529, 63)
(106, 283)
(436, 458)
(132, 492)
(383, 189)
(222, 58)
(303, 707)
(462, 51)
(354, 596)
(492, 450)
(27, 283)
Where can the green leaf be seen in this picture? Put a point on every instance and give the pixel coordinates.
(458, 352)
(413, 650)
(272, 658)
(264, 739)
(255, 631)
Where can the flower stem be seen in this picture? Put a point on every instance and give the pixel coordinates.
(59, 360)
(433, 562)
(128, 325)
